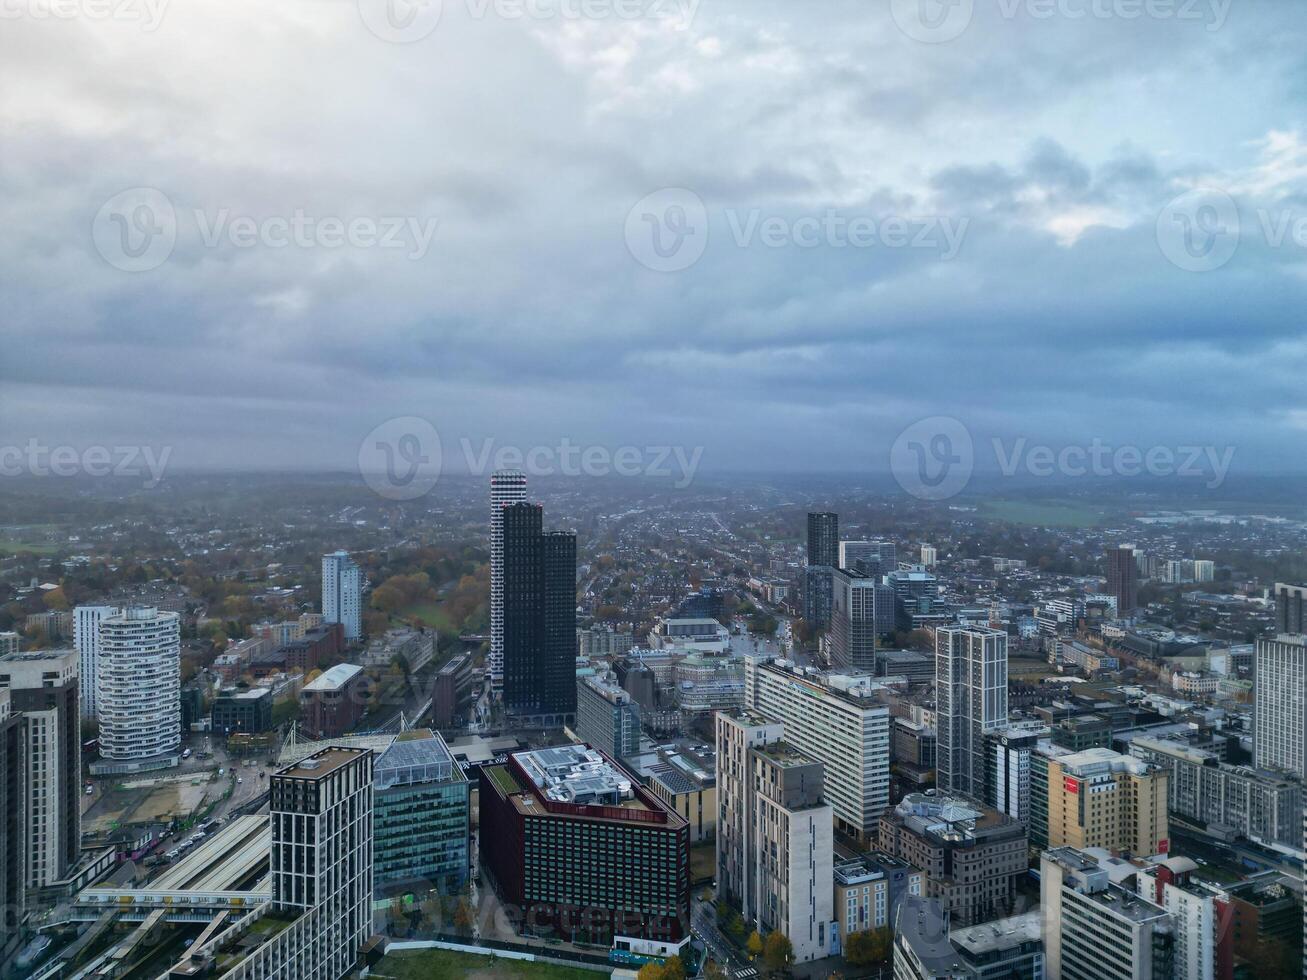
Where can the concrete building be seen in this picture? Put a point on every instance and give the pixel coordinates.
(1008, 765)
(875, 558)
(868, 891)
(1256, 804)
(421, 823)
(334, 702)
(972, 855)
(453, 687)
(138, 691)
(342, 594)
(1201, 916)
(42, 688)
(1100, 798)
(86, 638)
(1097, 930)
(971, 701)
(852, 638)
(839, 721)
(685, 778)
(607, 717)
(507, 487)
(1123, 578)
(582, 853)
(10, 642)
(1280, 704)
(776, 804)
(925, 948)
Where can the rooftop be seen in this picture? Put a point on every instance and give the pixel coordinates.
(322, 763)
(418, 756)
(1001, 934)
(334, 679)
(576, 774)
(784, 755)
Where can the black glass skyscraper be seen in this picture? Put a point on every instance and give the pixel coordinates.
(824, 539)
(539, 618)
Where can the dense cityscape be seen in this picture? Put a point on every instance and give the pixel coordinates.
(285, 727)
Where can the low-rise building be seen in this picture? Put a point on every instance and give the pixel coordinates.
(869, 889)
(334, 702)
(248, 711)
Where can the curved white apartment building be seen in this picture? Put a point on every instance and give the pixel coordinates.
(139, 689)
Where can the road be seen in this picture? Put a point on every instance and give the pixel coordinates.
(703, 923)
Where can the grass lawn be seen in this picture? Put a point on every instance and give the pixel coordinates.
(1044, 513)
(10, 547)
(440, 964)
(432, 616)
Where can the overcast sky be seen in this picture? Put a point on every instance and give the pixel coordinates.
(881, 214)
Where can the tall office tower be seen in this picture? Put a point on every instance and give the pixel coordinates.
(321, 861)
(342, 593)
(839, 721)
(1096, 929)
(86, 638)
(1123, 578)
(507, 487)
(12, 849)
(1100, 798)
(971, 700)
(1289, 608)
(824, 539)
(1280, 704)
(781, 846)
(42, 687)
(876, 558)
(607, 717)
(539, 618)
(139, 691)
(852, 637)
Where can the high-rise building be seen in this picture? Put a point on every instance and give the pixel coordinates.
(1289, 604)
(840, 722)
(823, 556)
(86, 638)
(929, 556)
(539, 618)
(420, 826)
(1280, 703)
(972, 856)
(42, 687)
(13, 881)
(876, 558)
(607, 716)
(507, 487)
(852, 637)
(971, 701)
(1097, 930)
(781, 843)
(342, 594)
(321, 857)
(583, 852)
(1123, 579)
(1008, 754)
(1100, 798)
(139, 691)
(824, 539)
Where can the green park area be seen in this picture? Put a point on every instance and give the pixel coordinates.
(440, 964)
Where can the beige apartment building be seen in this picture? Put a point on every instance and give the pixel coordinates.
(1100, 798)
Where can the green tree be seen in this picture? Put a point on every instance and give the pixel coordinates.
(866, 948)
(777, 952)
